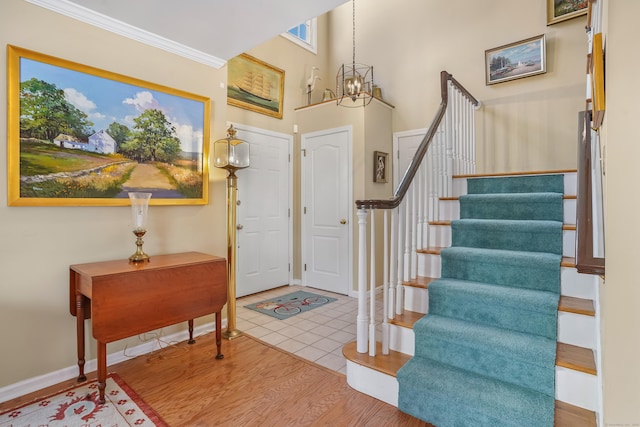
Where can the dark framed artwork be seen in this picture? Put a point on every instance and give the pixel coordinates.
(380, 166)
(562, 10)
(254, 85)
(516, 60)
(82, 136)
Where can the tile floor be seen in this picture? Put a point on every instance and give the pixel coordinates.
(317, 335)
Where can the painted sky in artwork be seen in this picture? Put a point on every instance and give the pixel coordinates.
(106, 101)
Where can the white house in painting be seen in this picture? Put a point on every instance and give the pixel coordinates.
(99, 142)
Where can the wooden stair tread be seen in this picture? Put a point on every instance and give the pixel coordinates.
(542, 172)
(431, 250)
(566, 415)
(568, 262)
(576, 305)
(387, 364)
(407, 319)
(576, 358)
(420, 282)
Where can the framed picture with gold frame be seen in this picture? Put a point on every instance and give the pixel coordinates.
(562, 10)
(82, 136)
(254, 85)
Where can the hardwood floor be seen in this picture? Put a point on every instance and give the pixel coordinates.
(254, 385)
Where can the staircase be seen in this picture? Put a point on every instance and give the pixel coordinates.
(524, 334)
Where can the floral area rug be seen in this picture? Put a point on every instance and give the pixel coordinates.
(291, 304)
(79, 407)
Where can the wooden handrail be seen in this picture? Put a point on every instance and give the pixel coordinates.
(585, 261)
(395, 201)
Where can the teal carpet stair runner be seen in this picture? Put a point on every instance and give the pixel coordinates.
(485, 353)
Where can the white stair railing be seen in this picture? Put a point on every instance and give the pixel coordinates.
(447, 149)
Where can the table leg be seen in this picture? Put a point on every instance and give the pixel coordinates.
(80, 335)
(219, 335)
(102, 370)
(191, 340)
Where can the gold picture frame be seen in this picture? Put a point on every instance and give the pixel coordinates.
(380, 166)
(82, 136)
(563, 10)
(516, 60)
(254, 85)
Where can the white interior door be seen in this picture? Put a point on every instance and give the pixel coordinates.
(326, 209)
(264, 199)
(405, 145)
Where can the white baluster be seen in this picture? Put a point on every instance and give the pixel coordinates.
(362, 319)
(393, 273)
(372, 287)
(385, 285)
(414, 231)
(400, 258)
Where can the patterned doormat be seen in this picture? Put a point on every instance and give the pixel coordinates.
(78, 406)
(286, 306)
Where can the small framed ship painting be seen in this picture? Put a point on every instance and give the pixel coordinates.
(255, 85)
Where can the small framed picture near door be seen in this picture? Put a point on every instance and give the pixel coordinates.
(380, 168)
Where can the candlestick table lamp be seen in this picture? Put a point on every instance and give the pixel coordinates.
(139, 211)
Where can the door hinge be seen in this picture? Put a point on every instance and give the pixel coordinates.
(289, 213)
(304, 152)
(289, 267)
(305, 210)
(305, 267)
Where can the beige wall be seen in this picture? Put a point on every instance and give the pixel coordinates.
(620, 294)
(526, 124)
(39, 243)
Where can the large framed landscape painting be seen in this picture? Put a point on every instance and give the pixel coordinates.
(562, 10)
(82, 136)
(255, 85)
(516, 60)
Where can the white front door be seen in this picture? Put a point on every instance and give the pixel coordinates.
(264, 199)
(326, 209)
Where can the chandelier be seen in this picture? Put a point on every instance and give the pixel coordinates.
(354, 81)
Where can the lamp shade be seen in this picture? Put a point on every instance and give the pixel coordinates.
(230, 152)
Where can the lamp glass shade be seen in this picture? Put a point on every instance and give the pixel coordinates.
(139, 210)
(230, 152)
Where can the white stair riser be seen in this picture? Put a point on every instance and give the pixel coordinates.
(569, 243)
(448, 210)
(577, 329)
(440, 235)
(577, 388)
(369, 381)
(416, 299)
(401, 339)
(429, 265)
(574, 284)
(570, 211)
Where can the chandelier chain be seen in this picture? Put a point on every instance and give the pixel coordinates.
(354, 35)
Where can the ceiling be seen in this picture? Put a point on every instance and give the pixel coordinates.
(208, 31)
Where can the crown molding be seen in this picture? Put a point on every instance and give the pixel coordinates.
(83, 14)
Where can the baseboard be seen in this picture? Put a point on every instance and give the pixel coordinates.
(36, 383)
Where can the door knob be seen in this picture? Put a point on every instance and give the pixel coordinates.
(239, 227)
(343, 221)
